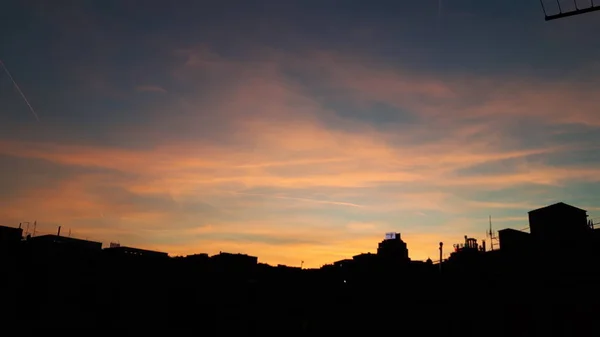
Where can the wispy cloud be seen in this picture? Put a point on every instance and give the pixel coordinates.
(340, 203)
(248, 157)
(150, 88)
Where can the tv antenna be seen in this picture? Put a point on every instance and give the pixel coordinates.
(491, 235)
(571, 10)
(26, 223)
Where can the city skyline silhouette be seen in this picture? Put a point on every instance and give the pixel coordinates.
(296, 131)
(300, 167)
(50, 277)
(392, 244)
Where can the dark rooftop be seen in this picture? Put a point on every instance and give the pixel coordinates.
(58, 238)
(11, 228)
(132, 249)
(558, 205)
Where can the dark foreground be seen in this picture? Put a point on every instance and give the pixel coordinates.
(164, 299)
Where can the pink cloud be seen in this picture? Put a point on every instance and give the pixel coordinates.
(272, 136)
(450, 99)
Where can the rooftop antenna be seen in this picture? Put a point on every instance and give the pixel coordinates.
(34, 227)
(490, 234)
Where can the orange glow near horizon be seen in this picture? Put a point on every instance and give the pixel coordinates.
(264, 168)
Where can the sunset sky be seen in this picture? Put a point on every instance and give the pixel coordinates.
(295, 130)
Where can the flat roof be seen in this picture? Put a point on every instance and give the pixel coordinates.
(11, 228)
(233, 254)
(135, 249)
(61, 238)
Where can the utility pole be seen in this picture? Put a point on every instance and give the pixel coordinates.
(441, 252)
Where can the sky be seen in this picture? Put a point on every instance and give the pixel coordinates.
(294, 130)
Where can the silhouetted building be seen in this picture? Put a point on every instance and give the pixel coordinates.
(10, 237)
(366, 258)
(54, 250)
(57, 241)
(558, 222)
(467, 256)
(514, 242)
(560, 238)
(134, 252)
(393, 248)
(241, 292)
(345, 263)
(227, 262)
(470, 246)
(199, 257)
(367, 263)
(391, 253)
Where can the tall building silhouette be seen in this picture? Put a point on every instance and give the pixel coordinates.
(393, 248)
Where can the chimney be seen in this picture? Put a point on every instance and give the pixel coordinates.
(483, 244)
(58, 234)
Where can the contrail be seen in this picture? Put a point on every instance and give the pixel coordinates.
(20, 92)
(340, 203)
